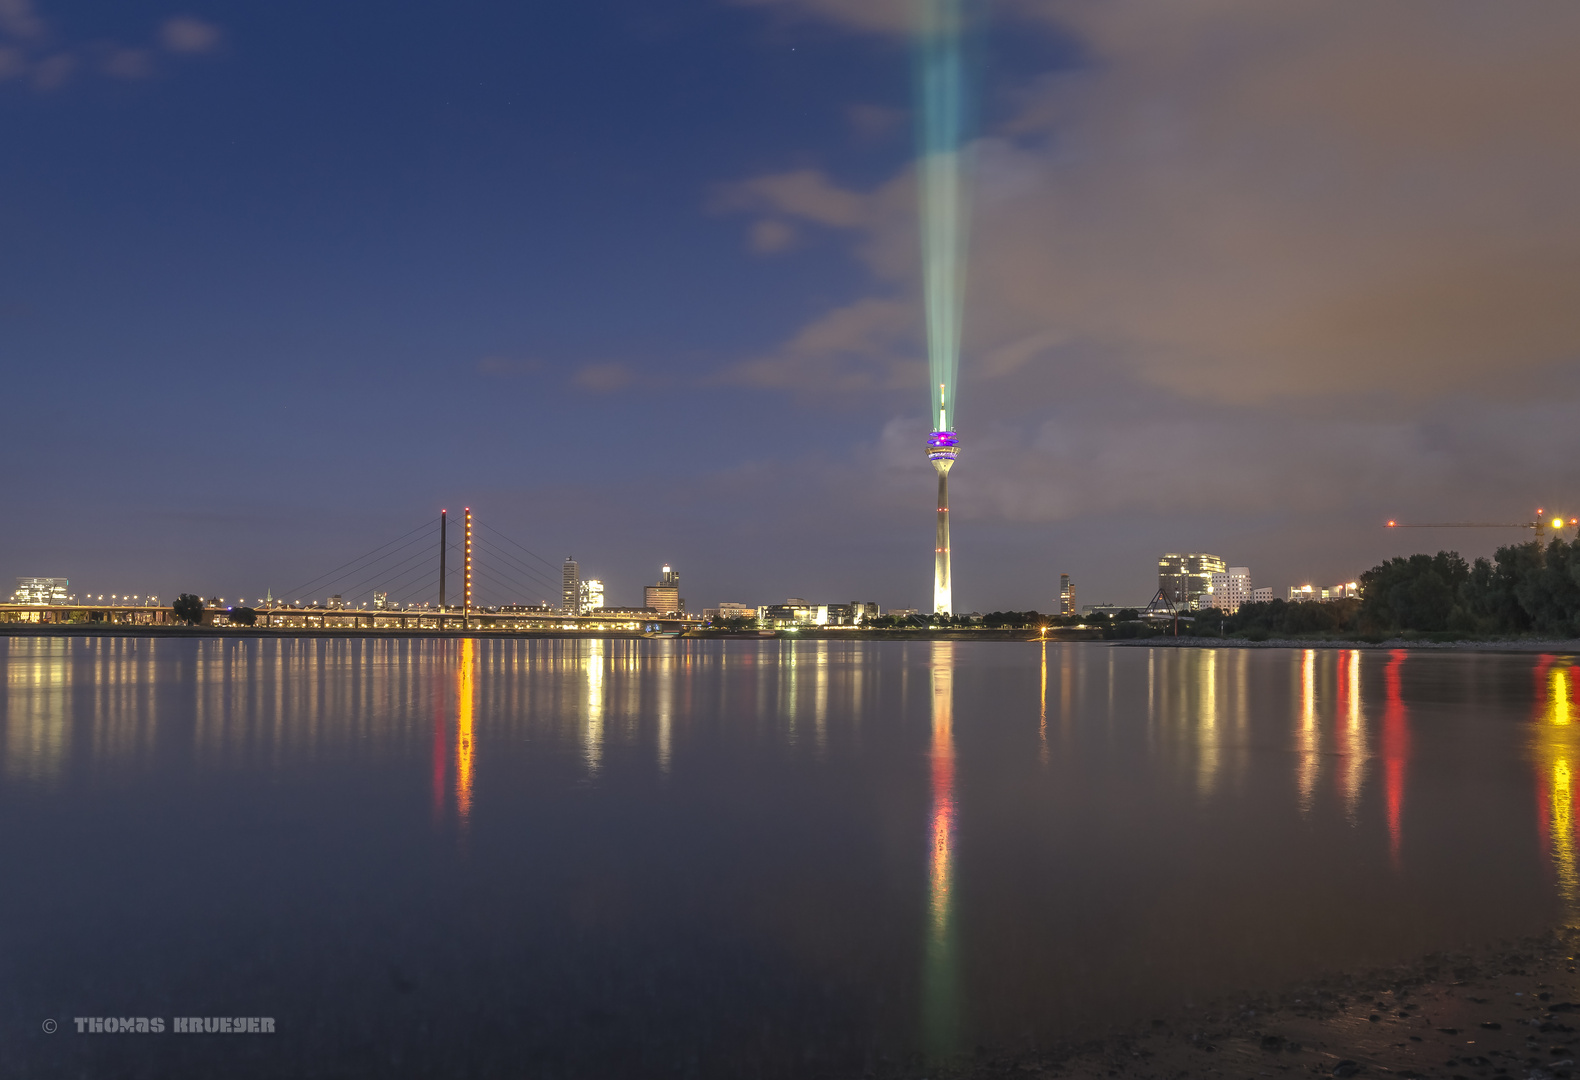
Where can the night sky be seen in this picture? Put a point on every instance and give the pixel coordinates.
(637, 281)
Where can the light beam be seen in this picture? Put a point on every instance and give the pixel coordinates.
(943, 216)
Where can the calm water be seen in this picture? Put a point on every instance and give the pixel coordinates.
(673, 858)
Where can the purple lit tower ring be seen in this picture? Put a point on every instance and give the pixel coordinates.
(943, 447)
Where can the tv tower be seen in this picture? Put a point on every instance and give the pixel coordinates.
(943, 446)
(943, 210)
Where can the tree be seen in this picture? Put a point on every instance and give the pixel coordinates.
(243, 616)
(188, 609)
(1418, 593)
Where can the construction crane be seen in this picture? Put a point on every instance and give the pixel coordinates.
(1539, 526)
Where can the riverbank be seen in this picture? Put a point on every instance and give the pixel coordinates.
(1518, 645)
(808, 634)
(1511, 1011)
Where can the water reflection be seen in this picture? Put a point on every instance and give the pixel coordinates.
(1352, 733)
(666, 710)
(465, 703)
(1395, 751)
(1207, 721)
(810, 853)
(1042, 709)
(941, 1018)
(1309, 738)
(592, 665)
(1556, 758)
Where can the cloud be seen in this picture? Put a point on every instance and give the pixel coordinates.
(874, 121)
(33, 56)
(13, 63)
(771, 235)
(123, 63)
(53, 72)
(1252, 203)
(184, 34)
(848, 352)
(604, 378)
(805, 193)
(19, 20)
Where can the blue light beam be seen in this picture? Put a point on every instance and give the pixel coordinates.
(943, 196)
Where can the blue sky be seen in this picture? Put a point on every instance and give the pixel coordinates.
(634, 280)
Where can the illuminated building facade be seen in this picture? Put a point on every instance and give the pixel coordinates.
(727, 610)
(943, 447)
(664, 597)
(1185, 579)
(41, 590)
(571, 595)
(1229, 590)
(1066, 596)
(1347, 591)
(591, 596)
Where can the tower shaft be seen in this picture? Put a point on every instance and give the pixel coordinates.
(466, 580)
(943, 447)
(943, 600)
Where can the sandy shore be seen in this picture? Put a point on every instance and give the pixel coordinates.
(1508, 1012)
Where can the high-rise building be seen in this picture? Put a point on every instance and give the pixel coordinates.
(41, 590)
(664, 597)
(591, 596)
(571, 595)
(1230, 589)
(1066, 596)
(1185, 579)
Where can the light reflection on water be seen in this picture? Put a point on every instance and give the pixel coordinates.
(824, 848)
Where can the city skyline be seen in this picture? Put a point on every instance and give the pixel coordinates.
(269, 299)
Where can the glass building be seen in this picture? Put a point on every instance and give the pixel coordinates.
(1185, 579)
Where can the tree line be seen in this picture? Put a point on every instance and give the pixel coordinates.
(1523, 589)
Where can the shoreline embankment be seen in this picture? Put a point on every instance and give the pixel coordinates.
(1489, 645)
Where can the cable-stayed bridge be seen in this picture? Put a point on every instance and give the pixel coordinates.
(431, 577)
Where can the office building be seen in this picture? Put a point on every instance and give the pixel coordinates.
(1066, 596)
(571, 592)
(727, 610)
(664, 597)
(1263, 595)
(41, 590)
(864, 611)
(381, 601)
(591, 596)
(794, 612)
(1185, 579)
(1229, 589)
